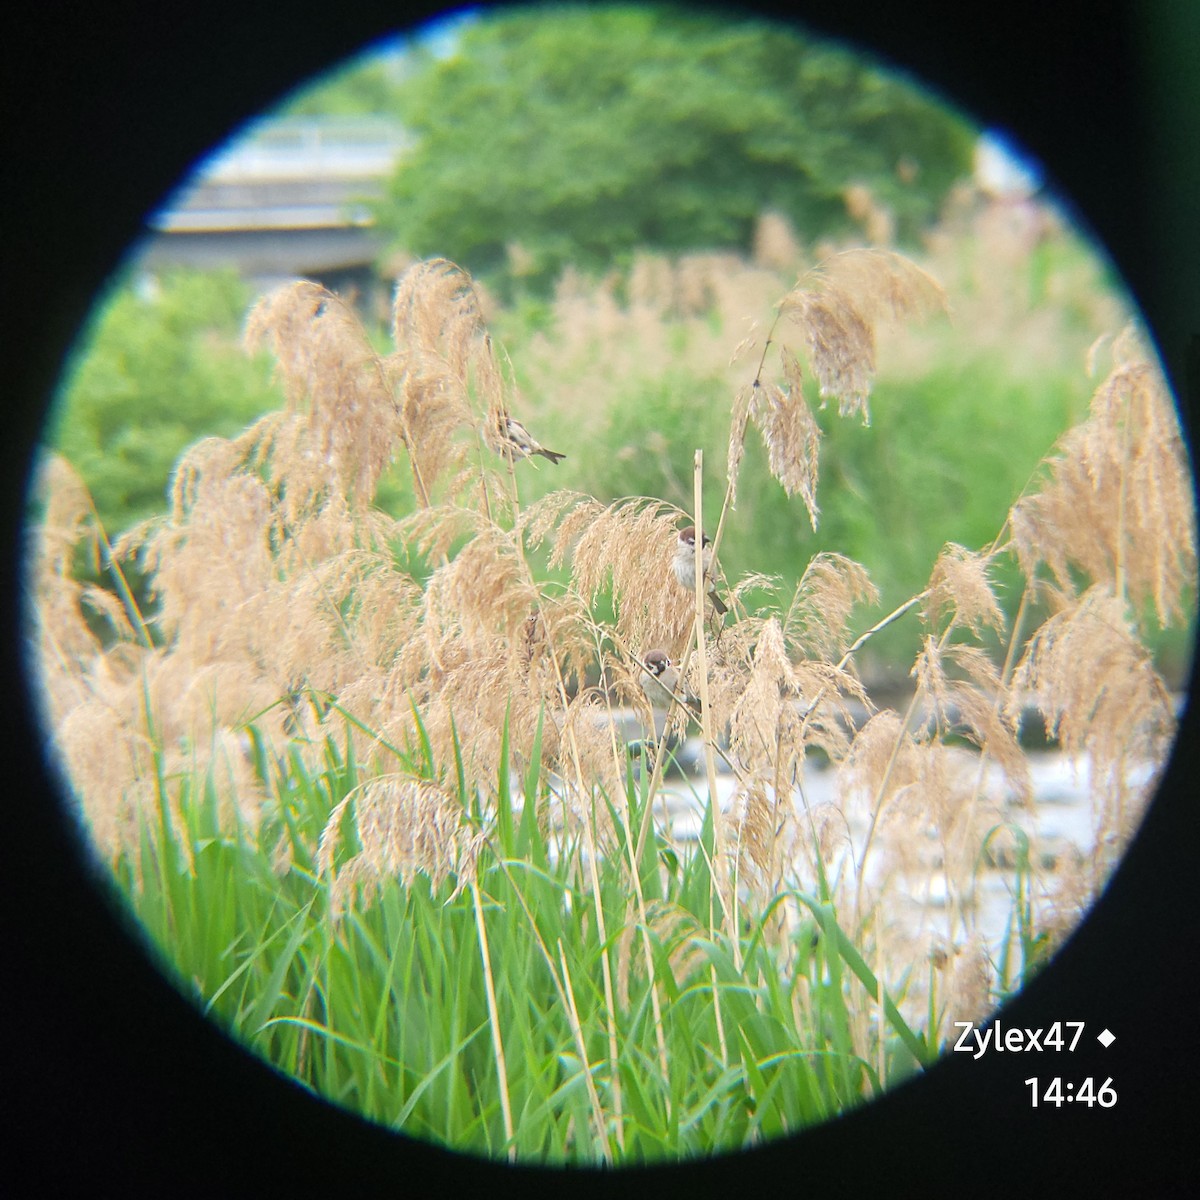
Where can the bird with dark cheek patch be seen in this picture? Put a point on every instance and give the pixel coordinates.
(685, 565)
(659, 678)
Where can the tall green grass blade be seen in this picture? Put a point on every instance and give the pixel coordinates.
(530, 838)
(271, 988)
(837, 939)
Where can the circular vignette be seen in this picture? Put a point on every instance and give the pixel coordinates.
(116, 1064)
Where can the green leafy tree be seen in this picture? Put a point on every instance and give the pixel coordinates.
(360, 89)
(160, 366)
(580, 134)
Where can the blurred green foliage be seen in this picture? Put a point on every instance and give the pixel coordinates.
(943, 460)
(363, 87)
(159, 366)
(584, 135)
(581, 134)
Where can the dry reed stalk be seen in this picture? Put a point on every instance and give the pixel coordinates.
(1117, 510)
(1092, 679)
(585, 1066)
(1118, 504)
(838, 307)
(448, 382)
(969, 983)
(916, 780)
(406, 825)
(627, 547)
(329, 368)
(618, 664)
(567, 999)
(591, 854)
(687, 311)
(581, 740)
(660, 755)
(130, 696)
(725, 895)
(494, 1022)
(718, 867)
(274, 577)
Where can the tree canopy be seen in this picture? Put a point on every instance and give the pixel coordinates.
(160, 365)
(580, 134)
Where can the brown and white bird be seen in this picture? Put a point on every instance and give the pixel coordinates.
(518, 442)
(659, 678)
(685, 565)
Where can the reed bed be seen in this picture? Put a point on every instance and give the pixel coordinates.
(366, 781)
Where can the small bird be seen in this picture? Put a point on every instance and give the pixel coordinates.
(659, 678)
(518, 441)
(685, 565)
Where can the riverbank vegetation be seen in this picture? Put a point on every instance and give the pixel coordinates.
(367, 782)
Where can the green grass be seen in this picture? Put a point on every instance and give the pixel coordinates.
(385, 1011)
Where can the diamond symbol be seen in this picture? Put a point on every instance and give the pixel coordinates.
(1106, 1039)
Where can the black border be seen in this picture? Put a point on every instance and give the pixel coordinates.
(112, 1081)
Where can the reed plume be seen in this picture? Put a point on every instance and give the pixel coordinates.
(282, 607)
(838, 307)
(1118, 501)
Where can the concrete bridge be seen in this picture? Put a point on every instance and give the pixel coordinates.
(288, 198)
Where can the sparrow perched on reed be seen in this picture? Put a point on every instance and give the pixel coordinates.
(659, 678)
(685, 565)
(518, 442)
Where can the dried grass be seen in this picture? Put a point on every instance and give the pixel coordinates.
(1118, 504)
(405, 826)
(837, 307)
(280, 604)
(1093, 681)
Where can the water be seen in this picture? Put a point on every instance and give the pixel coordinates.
(922, 906)
(1059, 820)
